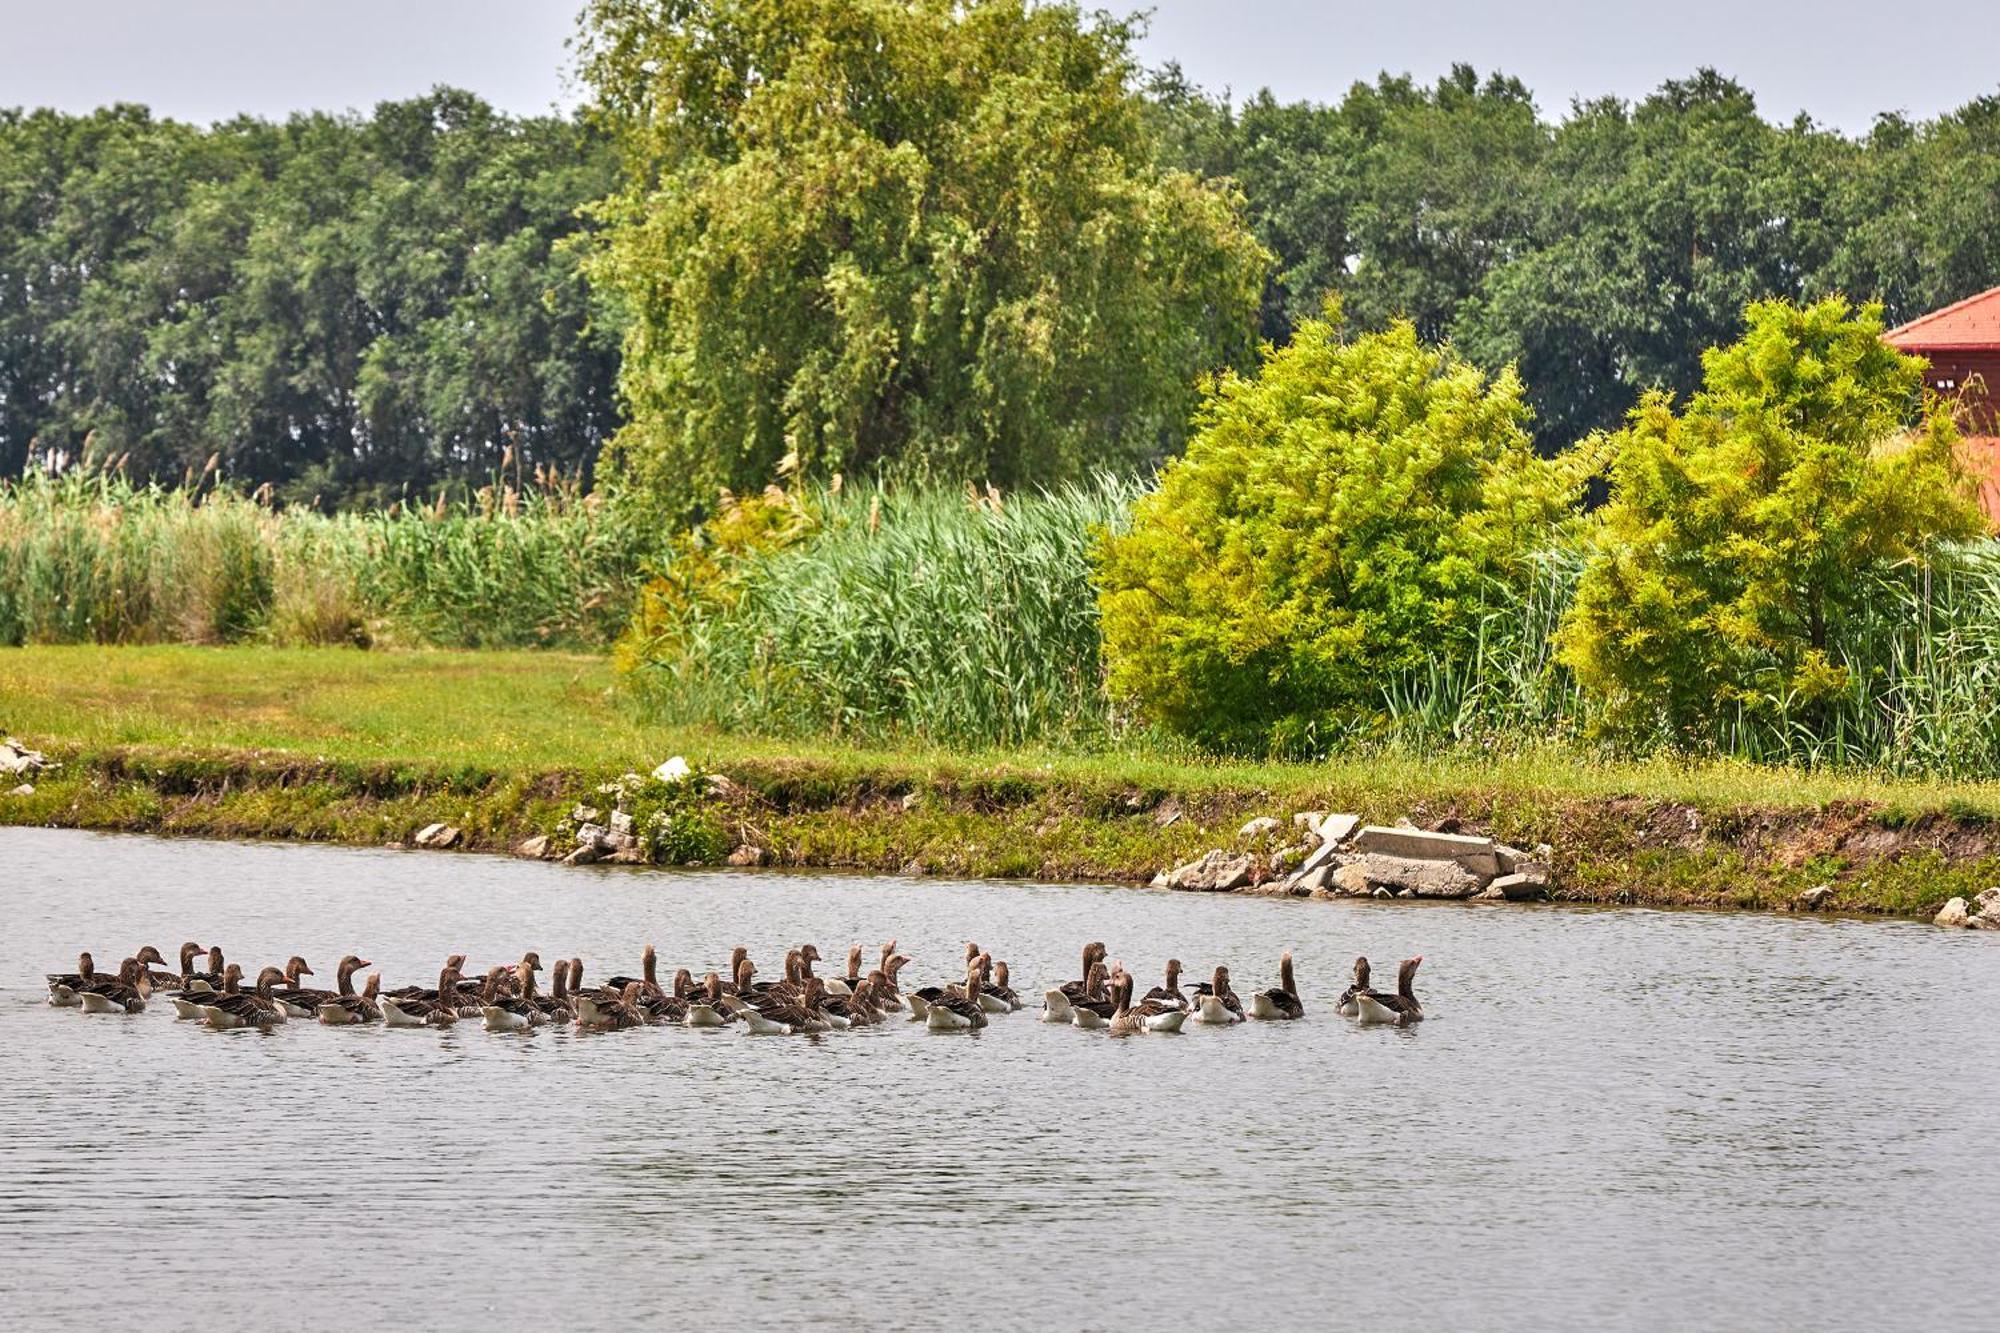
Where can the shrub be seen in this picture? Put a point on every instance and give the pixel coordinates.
(1743, 536)
(1340, 521)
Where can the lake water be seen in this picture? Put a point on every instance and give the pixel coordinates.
(1612, 1119)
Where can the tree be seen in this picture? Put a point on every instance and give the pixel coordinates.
(1339, 520)
(920, 236)
(1739, 532)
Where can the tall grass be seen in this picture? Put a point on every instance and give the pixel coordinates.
(86, 557)
(946, 617)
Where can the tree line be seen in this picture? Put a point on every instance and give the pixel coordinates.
(936, 241)
(348, 308)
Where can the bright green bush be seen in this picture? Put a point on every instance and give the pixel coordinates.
(1733, 568)
(1341, 522)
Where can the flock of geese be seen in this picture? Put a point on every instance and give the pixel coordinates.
(506, 998)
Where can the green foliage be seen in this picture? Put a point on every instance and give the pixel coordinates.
(921, 237)
(346, 308)
(673, 817)
(1743, 537)
(1340, 522)
(89, 557)
(961, 619)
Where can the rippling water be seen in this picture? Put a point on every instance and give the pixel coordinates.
(1612, 1119)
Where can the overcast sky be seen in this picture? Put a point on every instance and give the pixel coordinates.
(1841, 61)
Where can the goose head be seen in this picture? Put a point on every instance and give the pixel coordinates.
(854, 961)
(711, 988)
(1285, 972)
(128, 971)
(148, 956)
(349, 965)
(893, 964)
(683, 983)
(1000, 975)
(808, 955)
(1406, 975)
(1361, 973)
(745, 972)
(1220, 982)
(374, 986)
(85, 968)
(295, 967)
(559, 980)
(232, 976)
(576, 976)
(630, 995)
(531, 961)
(267, 978)
(215, 960)
(648, 960)
(188, 952)
(972, 952)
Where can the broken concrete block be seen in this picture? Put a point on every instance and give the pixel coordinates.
(1405, 875)
(1260, 827)
(1475, 855)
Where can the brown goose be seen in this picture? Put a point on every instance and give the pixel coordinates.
(115, 995)
(648, 979)
(208, 978)
(1171, 992)
(1400, 1009)
(1095, 1005)
(1058, 1001)
(708, 1008)
(556, 1004)
(362, 1008)
(454, 964)
(779, 1011)
(438, 1009)
(1215, 1002)
(957, 1008)
(594, 1013)
(304, 1002)
(1348, 1008)
(192, 1003)
(63, 986)
(234, 1008)
(166, 981)
(1282, 1001)
(846, 985)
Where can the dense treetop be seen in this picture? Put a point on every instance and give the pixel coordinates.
(950, 240)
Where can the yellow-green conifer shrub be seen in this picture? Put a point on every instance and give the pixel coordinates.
(1339, 520)
(1741, 532)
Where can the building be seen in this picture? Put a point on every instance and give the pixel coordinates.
(1962, 344)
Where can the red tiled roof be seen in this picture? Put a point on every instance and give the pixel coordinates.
(1973, 322)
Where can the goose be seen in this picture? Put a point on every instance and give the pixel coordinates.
(63, 986)
(669, 1006)
(454, 964)
(595, 1013)
(208, 979)
(779, 1011)
(990, 1002)
(648, 978)
(348, 1009)
(1093, 1007)
(114, 995)
(889, 995)
(1169, 994)
(844, 986)
(957, 1008)
(1282, 1001)
(234, 1008)
(921, 1000)
(706, 1009)
(1400, 1009)
(1215, 1003)
(512, 1013)
(857, 1007)
(556, 1005)
(1349, 1006)
(997, 985)
(166, 981)
(1126, 1021)
(1058, 1000)
(438, 1009)
(190, 1003)
(301, 1002)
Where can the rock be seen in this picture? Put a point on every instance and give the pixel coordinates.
(18, 760)
(1516, 888)
(720, 787)
(586, 814)
(1335, 830)
(593, 835)
(911, 800)
(627, 856)
(1475, 855)
(1308, 821)
(1952, 913)
(1217, 872)
(437, 837)
(675, 769)
(1261, 827)
(747, 855)
(585, 855)
(25, 789)
(1985, 900)
(1406, 875)
(1310, 881)
(1158, 881)
(619, 843)
(620, 822)
(1813, 898)
(535, 848)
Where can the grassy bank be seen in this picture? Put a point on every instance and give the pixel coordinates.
(339, 745)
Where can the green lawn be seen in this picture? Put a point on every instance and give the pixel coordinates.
(535, 711)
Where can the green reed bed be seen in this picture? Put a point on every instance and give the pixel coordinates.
(87, 557)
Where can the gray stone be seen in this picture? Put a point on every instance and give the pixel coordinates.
(1952, 913)
(1535, 872)
(747, 855)
(586, 814)
(593, 835)
(1217, 872)
(619, 843)
(1984, 900)
(1335, 830)
(1310, 881)
(534, 848)
(620, 822)
(1475, 855)
(437, 837)
(1816, 897)
(1308, 821)
(1413, 876)
(1516, 888)
(1260, 827)
(585, 855)
(25, 789)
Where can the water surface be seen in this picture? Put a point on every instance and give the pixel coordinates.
(1613, 1119)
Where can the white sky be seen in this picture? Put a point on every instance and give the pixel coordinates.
(1839, 60)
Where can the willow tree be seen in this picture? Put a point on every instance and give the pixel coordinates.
(928, 237)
